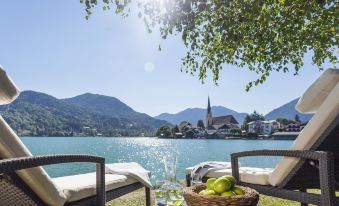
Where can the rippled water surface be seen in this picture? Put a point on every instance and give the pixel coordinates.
(149, 152)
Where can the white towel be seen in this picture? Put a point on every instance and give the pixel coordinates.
(204, 168)
(132, 169)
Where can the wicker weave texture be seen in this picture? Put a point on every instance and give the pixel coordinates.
(14, 192)
(19, 193)
(326, 176)
(11, 194)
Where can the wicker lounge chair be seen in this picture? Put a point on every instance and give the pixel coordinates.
(23, 182)
(313, 160)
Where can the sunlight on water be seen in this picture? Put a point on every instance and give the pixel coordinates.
(149, 152)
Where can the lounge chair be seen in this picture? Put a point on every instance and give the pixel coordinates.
(23, 182)
(313, 160)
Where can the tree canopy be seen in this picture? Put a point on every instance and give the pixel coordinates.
(263, 36)
(174, 130)
(255, 116)
(164, 131)
(284, 121)
(200, 124)
(297, 118)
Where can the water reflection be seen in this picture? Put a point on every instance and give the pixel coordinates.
(149, 152)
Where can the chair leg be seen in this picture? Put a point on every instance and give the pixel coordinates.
(326, 176)
(188, 180)
(303, 204)
(148, 196)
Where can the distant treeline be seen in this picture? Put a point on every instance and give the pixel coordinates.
(38, 114)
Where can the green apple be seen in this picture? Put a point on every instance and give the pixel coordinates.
(202, 192)
(221, 185)
(230, 178)
(210, 183)
(227, 194)
(238, 191)
(210, 192)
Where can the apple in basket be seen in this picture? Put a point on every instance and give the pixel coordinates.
(210, 182)
(230, 178)
(207, 192)
(238, 191)
(223, 186)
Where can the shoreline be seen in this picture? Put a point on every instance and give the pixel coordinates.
(162, 138)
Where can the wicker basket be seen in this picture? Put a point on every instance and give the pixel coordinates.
(192, 198)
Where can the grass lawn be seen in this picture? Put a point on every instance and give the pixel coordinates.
(137, 199)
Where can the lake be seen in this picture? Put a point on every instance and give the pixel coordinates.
(149, 152)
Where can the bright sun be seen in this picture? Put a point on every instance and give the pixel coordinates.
(149, 67)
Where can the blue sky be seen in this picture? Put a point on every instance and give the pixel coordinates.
(48, 46)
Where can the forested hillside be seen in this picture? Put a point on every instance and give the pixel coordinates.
(39, 114)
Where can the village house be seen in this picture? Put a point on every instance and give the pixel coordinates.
(219, 125)
(265, 127)
(295, 127)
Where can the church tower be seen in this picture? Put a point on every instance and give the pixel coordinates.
(209, 114)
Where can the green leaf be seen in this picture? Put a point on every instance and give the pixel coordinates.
(261, 36)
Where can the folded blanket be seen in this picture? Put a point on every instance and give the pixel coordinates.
(203, 168)
(132, 169)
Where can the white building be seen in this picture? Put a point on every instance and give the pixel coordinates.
(254, 127)
(266, 127)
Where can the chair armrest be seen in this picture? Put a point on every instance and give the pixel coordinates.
(314, 155)
(325, 160)
(14, 164)
(311, 155)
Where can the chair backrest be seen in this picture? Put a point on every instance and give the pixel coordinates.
(326, 106)
(13, 191)
(11, 147)
(8, 90)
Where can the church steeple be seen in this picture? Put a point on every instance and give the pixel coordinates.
(208, 105)
(208, 114)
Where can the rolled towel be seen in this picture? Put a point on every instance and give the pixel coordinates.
(132, 169)
(8, 90)
(202, 169)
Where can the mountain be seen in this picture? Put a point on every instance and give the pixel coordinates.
(192, 115)
(113, 107)
(39, 114)
(288, 111)
(101, 103)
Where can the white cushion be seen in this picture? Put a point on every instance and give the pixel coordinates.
(36, 178)
(8, 90)
(77, 187)
(316, 94)
(325, 115)
(247, 174)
